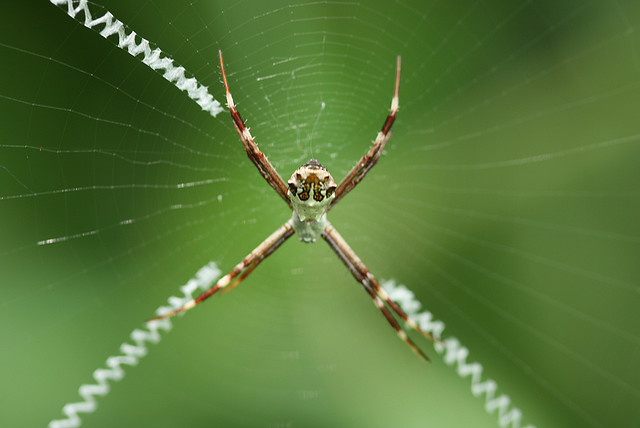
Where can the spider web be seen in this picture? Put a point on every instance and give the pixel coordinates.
(507, 200)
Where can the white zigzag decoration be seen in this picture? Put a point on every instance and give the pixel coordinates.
(155, 58)
(131, 354)
(456, 354)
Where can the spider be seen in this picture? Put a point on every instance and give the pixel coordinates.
(311, 193)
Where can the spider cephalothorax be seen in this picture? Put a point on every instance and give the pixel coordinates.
(310, 193)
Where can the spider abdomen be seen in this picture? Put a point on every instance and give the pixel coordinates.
(311, 190)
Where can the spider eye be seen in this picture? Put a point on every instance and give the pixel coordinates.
(304, 196)
(330, 191)
(293, 189)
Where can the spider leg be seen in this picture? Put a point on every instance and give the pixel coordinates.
(242, 269)
(367, 162)
(372, 287)
(257, 261)
(259, 159)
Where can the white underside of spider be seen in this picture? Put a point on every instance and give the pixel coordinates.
(310, 193)
(308, 231)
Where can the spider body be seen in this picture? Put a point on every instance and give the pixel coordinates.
(310, 193)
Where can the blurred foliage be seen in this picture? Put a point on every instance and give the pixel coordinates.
(507, 199)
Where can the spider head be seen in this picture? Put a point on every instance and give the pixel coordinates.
(311, 190)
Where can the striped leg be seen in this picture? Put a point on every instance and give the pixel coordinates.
(257, 157)
(371, 286)
(369, 160)
(242, 269)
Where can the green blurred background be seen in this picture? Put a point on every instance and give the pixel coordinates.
(507, 200)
